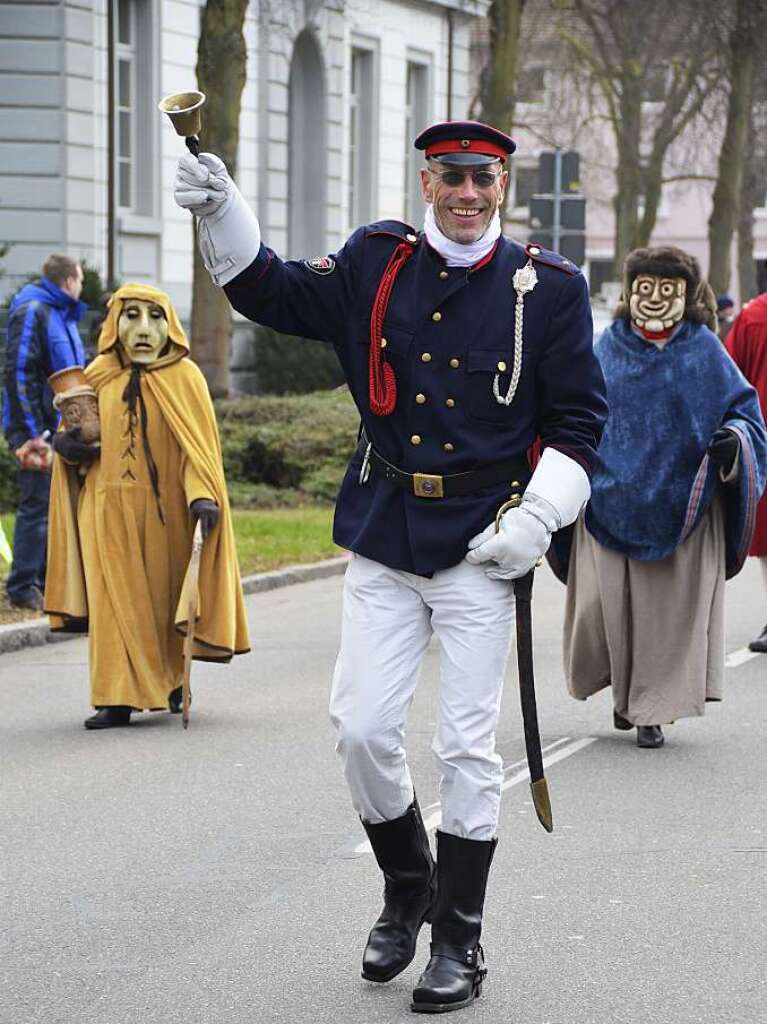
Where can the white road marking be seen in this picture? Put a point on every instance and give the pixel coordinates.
(432, 817)
(740, 657)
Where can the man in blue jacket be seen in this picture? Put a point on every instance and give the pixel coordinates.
(42, 338)
(460, 347)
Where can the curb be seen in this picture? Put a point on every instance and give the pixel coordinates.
(15, 636)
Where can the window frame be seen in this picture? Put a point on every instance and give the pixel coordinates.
(362, 149)
(417, 112)
(141, 55)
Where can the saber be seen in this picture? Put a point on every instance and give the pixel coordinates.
(192, 576)
(523, 593)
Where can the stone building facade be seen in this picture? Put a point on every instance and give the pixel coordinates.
(335, 92)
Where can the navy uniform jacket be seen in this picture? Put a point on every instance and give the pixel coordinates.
(446, 330)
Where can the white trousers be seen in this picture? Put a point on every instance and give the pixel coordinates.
(388, 619)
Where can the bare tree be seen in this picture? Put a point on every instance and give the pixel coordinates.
(655, 65)
(742, 54)
(498, 84)
(221, 72)
(753, 190)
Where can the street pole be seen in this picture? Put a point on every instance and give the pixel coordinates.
(556, 225)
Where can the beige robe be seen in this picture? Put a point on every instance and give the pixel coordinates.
(654, 631)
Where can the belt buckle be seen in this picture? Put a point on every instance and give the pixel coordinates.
(427, 485)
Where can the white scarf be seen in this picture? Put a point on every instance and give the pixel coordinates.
(460, 254)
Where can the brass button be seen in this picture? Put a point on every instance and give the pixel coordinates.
(384, 343)
(426, 357)
(450, 402)
(415, 439)
(436, 317)
(449, 447)
(420, 398)
(455, 363)
(443, 275)
(501, 366)
(534, 250)
(411, 238)
(515, 483)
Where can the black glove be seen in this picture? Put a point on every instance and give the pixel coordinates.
(724, 449)
(207, 512)
(68, 444)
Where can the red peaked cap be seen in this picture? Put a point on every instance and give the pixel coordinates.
(465, 142)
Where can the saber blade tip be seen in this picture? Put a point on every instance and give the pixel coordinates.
(542, 803)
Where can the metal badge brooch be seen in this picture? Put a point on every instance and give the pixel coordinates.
(524, 280)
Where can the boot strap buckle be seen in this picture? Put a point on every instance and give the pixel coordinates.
(470, 957)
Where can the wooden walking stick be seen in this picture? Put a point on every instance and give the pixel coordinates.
(192, 576)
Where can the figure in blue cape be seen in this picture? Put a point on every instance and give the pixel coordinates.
(679, 472)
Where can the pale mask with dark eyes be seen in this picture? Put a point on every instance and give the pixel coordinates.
(143, 330)
(657, 303)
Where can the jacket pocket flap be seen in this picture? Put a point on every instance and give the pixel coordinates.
(489, 361)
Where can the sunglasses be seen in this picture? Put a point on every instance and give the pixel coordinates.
(482, 179)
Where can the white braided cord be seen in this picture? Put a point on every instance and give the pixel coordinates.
(524, 281)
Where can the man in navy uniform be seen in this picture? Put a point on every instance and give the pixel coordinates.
(460, 347)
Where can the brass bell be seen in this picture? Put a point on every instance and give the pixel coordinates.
(185, 112)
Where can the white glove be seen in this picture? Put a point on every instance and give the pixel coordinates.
(562, 483)
(523, 538)
(227, 229)
(558, 490)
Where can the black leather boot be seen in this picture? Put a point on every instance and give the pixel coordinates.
(650, 736)
(401, 848)
(109, 718)
(619, 722)
(454, 975)
(176, 700)
(759, 644)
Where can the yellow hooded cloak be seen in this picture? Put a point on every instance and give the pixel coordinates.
(118, 547)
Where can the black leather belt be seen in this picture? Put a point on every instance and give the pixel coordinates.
(516, 472)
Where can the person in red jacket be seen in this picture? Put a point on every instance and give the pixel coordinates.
(747, 344)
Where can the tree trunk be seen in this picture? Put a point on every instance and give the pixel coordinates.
(721, 225)
(221, 72)
(628, 174)
(499, 81)
(749, 199)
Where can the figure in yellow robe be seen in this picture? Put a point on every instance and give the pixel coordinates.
(120, 530)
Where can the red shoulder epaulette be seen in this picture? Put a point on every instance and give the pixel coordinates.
(550, 258)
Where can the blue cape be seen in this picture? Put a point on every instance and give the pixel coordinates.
(653, 480)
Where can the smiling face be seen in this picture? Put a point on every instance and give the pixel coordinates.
(657, 303)
(143, 330)
(463, 212)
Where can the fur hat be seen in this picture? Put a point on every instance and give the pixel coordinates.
(669, 261)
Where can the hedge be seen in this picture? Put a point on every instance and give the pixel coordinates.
(279, 451)
(285, 450)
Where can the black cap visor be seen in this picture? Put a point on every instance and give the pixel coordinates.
(464, 159)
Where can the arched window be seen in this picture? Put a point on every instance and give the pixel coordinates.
(307, 165)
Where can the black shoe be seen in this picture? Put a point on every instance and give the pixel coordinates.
(176, 701)
(109, 718)
(401, 848)
(31, 598)
(650, 736)
(619, 722)
(456, 970)
(760, 643)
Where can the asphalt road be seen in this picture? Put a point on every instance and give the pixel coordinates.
(219, 875)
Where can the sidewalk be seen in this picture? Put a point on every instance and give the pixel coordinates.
(14, 636)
